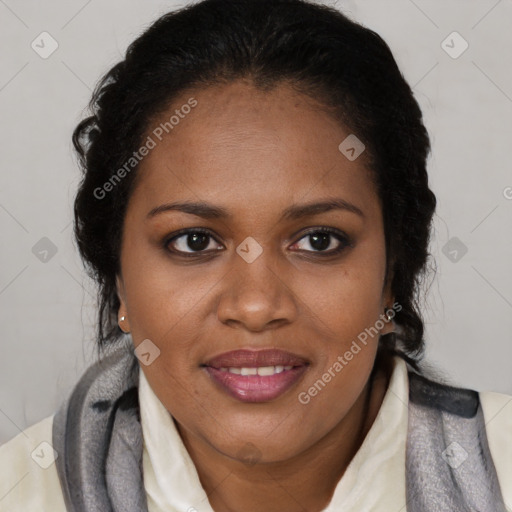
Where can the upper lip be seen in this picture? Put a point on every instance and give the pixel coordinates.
(256, 358)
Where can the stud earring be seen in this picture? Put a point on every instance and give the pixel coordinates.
(121, 320)
(389, 314)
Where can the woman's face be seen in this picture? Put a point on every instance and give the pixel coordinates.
(259, 279)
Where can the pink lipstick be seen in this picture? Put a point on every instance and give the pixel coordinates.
(256, 375)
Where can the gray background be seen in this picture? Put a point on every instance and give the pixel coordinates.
(47, 307)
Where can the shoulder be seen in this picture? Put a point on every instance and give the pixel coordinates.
(28, 475)
(497, 409)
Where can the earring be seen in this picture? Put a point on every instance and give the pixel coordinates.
(121, 320)
(389, 314)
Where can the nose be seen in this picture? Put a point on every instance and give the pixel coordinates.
(257, 296)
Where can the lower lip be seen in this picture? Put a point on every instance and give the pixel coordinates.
(256, 388)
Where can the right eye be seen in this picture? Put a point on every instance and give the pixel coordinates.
(189, 242)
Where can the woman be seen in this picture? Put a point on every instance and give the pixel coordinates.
(255, 209)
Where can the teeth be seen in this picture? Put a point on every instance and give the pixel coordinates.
(262, 370)
(266, 370)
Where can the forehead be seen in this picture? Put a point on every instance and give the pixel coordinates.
(242, 146)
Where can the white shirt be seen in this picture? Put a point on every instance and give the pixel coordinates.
(172, 484)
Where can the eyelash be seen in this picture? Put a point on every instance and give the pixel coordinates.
(344, 239)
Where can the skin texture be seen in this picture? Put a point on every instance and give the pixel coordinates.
(256, 153)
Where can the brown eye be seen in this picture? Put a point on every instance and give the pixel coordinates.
(322, 239)
(190, 242)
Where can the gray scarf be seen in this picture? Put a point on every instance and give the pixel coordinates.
(98, 436)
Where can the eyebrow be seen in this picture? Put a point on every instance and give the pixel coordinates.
(293, 212)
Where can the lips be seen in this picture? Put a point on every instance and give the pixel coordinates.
(278, 371)
(255, 359)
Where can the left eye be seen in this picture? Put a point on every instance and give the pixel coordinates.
(321, 240)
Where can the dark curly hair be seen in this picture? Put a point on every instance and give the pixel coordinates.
(317, 50)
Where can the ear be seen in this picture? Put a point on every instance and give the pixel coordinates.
(120, 289)
(123, 312)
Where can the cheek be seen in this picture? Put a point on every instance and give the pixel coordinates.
(159, 294)
(336, 390)
(180, 396)
(349, 298)
(168, 305)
